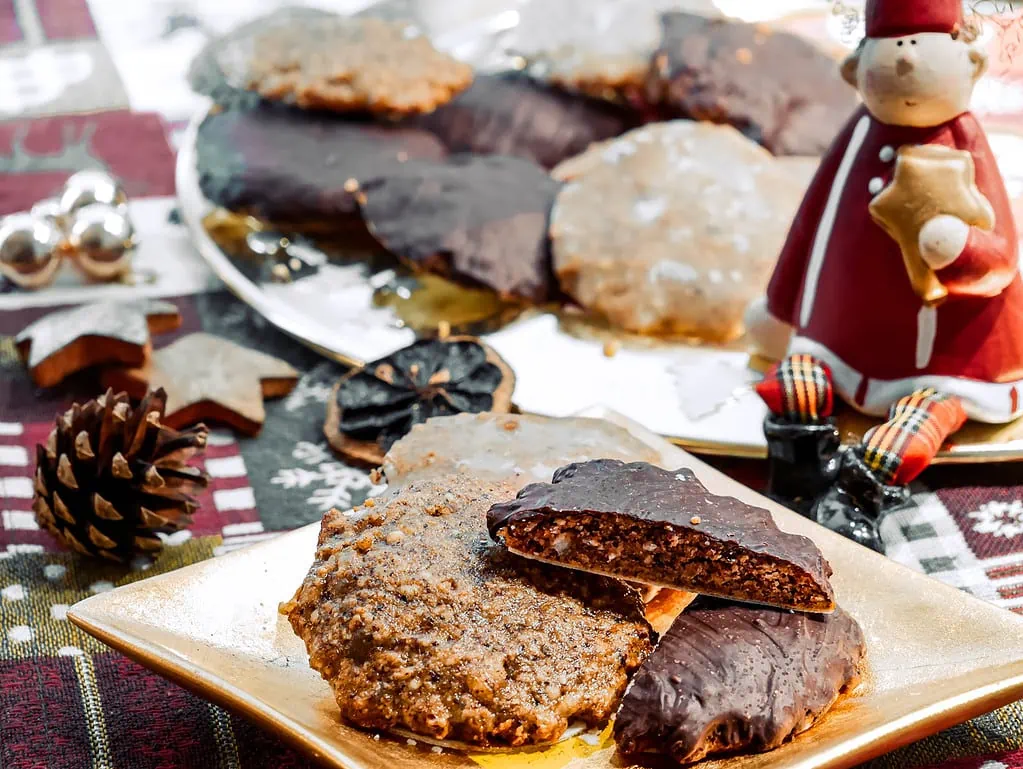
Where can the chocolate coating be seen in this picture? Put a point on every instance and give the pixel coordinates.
(729, 677)
(480, 219)
(775, 87)
(287, 165)
(641, 522)
(511, 114)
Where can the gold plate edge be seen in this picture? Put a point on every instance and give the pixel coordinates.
(210, 687)
(959, 454)
(848, 753)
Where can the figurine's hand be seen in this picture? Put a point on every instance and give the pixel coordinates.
(942, 239)
(769, 335)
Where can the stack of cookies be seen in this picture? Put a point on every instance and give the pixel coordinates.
(663, 124)
(477, 606)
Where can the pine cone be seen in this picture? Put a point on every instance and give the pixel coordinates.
(110, 478)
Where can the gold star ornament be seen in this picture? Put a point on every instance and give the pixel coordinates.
(209, 379)
(930, 180)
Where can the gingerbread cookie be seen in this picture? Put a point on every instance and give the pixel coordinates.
(476, 219)
(299, 170)
(348, 64)
(64, 342)
(505, 447)
(209, 379)
(599, 47)
(511, 114)
(211, 71)
(775, 87)
(417, 622)
(661, 527)
(673, 228)
(728, 678)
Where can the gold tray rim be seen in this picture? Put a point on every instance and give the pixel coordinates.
(1002, 681)
(952, 710)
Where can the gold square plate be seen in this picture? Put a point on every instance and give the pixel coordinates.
(937, 656)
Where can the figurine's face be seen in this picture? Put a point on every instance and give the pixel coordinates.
(915, 80)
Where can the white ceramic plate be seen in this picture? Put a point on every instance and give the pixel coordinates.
(698, 397)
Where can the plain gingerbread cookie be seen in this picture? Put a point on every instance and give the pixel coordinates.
(672, 228)
(346, 64)
(599, 47)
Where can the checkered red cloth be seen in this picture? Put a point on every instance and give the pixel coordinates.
(99, 84)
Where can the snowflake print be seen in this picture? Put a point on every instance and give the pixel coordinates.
(1000, 519)
(339, 497)
(311, 453)
(331, 484)
(296, 477)
(314, 387)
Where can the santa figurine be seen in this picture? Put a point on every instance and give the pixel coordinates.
(899, 287)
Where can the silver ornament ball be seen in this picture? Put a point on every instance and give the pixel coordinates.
(87, 187)
(30, 250)
(102, 240)
(50, 210)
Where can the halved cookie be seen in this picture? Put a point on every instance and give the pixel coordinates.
(662, 527)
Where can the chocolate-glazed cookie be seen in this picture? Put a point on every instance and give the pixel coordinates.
(511, 114)
(299, 169)
(662, 527)
(478, 219)
(775, 87)
(727, 677)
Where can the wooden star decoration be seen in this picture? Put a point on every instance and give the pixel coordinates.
(209, 379)
(61, 343)
(929, 180)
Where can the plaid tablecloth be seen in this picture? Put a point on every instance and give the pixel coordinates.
(99, 84)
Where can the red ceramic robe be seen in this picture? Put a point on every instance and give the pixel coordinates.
(840, 281)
